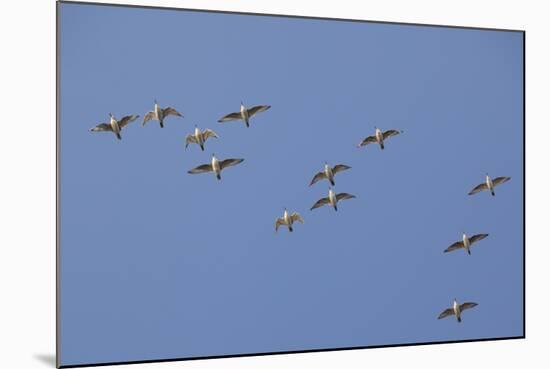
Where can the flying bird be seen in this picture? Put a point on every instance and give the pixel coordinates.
(332, 199)
(160, 114)
(244, 114)
(457, 310)
(199, 137)
(328, 173)
(114, 125)
(466, 242)
(489, 184)
(379, 137)
(215, 166)
(287, 220)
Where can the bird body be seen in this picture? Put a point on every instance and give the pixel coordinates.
(158, 112)
(115, 127)
(456, 310)
(379, 137)
(287, 220)
(244, 115)
(332, 199)
(466, 242)
(329, 174)
(216, 167)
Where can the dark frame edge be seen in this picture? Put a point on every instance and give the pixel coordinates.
(524, 190)
(200, 10)
(57, 185)
(292, 352)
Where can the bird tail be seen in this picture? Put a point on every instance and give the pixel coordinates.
(202, 147)
(469, 252)
(161, 124)
(493, 192)
(218, 176)
(247, 124)
(382, 146)
(332, 182)
(290, 229)
(459, 319)
(335, 208)
(118, 136)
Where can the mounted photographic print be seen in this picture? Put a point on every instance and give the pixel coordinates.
(236, 184)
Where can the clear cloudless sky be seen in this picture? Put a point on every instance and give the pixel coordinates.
(156, 263)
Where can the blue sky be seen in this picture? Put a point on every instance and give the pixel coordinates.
(159, 264)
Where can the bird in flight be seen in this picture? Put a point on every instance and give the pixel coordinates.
(215, 166)
(328, 173)
(199, 137)
(379, 137)
(160, 114)
(114, 125)
(457, 310)
(466, 242)
(287, 220)
(489, 184)
(332, 199)
(244, 114)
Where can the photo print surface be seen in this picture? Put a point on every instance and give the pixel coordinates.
(236, 184)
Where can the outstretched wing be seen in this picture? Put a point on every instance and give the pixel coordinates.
(391, 132)
(344, 196)
(230, 162)
(318, 177)
(278, 223)
(455, 246)
(201, 169)
(190, 139)
(208, 133)
(148, 117)
(467, 305)
(170, 111)
(446, 313)
(368, 140)
(257, 109)
(102, 127)
(500, 180)
(478, 188)
(297, 218)
(127, 119)
(229, 117)
(478, 237)
(320, 203)
(340, 168)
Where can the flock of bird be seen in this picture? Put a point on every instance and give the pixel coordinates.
(328, 173)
